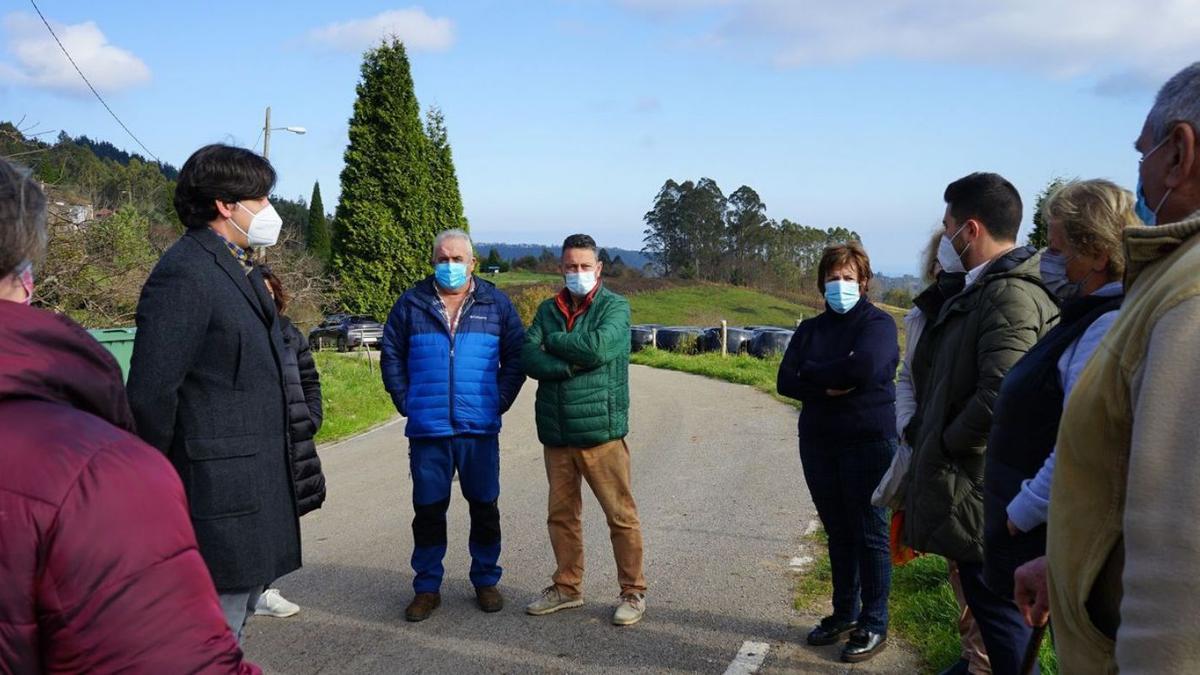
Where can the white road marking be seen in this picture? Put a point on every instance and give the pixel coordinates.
(800, 563)
(811, 527)
(749, 658)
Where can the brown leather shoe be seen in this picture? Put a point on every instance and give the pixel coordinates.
(489, 599)
(422, 606)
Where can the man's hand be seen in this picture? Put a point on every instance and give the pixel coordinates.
(1013, 530)
(838, 392)
(1032, 593)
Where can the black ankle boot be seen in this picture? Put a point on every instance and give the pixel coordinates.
(863, 645)
(829, 631)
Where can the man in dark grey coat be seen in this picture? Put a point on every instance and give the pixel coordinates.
(205, 382)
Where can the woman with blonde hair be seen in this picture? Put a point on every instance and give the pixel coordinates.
(1083, 265)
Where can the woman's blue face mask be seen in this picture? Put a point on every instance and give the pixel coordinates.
(842, 296)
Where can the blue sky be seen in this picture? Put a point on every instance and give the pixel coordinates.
(568, 115)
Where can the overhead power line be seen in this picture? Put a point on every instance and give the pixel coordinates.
(89, 84)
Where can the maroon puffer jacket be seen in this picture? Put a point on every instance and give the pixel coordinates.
(99, 570)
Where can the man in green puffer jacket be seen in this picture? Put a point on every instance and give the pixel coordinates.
(578, 350)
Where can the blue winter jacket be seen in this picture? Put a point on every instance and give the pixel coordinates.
(449, 389)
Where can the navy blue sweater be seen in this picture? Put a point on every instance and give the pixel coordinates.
(857, 350)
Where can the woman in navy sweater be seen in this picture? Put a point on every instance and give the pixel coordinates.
(841, 365)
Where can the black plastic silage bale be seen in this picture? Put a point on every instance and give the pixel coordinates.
(769, 341)
(684, 339)
(736, 338)
(640, 337)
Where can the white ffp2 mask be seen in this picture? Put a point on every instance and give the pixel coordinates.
(264, 226)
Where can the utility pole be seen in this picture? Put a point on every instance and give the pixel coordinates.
(267, 129)
(267, 135)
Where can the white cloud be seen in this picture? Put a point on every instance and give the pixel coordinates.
(418, 31)
(1118, 43)
(36, 60)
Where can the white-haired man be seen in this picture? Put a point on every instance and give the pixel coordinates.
(451, 360)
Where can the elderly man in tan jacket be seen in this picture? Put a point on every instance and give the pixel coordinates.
(1124, 558)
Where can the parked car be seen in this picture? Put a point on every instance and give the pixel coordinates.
(768, 341)
(346, 332)
(736, 338)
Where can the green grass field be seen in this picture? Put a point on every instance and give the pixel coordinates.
(353, 394)
(521, 278)
(705, 304)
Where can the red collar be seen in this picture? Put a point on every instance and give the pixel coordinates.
(563, 302)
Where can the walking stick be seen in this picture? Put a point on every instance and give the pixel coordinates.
(1031, 652)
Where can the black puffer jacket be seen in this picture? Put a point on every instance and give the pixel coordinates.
(303, 386)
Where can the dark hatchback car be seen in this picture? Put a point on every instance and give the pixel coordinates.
(346, 332)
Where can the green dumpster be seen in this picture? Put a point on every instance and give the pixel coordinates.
(119, 342)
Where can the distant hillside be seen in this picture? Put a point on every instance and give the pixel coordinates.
(106, 150)
(907, 282)
(510, 252)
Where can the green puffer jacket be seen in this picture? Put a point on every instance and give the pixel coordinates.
(582, 374)
(960, 361)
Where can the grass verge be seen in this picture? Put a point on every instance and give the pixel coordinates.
(924, 612)
(740, 369)
(354, 397)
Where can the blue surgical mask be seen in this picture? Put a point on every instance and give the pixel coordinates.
(1148, 215)
(842, 296)
(450, 275)
(580, 283)
(1053, 270)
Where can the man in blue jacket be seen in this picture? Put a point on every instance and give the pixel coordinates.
(451, 360)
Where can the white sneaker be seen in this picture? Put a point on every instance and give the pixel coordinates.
(552, 600)
(631, 609)
(271, 603)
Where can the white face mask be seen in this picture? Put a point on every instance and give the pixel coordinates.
(264, 226)
(948, 258)
(580, 283)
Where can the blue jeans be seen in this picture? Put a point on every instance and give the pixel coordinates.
(237, 606)
(841, 478)
(433, 462)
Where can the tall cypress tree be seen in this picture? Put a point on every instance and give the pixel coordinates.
(1040, 236)
(384, 230)
(318, 238)
(446, 202)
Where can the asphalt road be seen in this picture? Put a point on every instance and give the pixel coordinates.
(723, 505)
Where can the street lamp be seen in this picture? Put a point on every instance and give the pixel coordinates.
(267, 129)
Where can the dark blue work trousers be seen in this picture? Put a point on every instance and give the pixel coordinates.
(433, 462)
